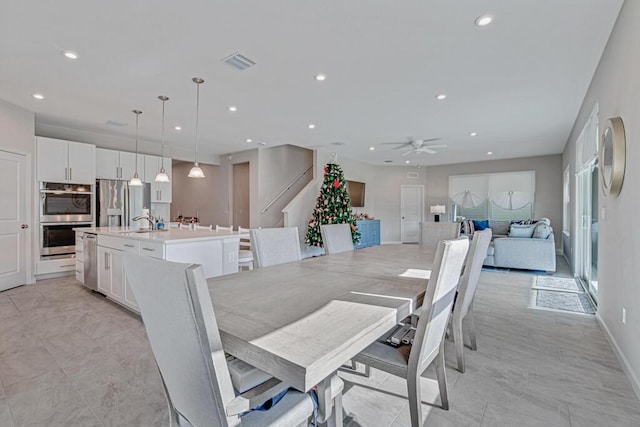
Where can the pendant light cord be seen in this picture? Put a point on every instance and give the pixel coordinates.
(162, 138)
(197, 118)
(137, 116)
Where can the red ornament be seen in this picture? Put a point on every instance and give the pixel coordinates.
(336, 183)
(326, 170)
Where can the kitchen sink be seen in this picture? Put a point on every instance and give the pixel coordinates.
(142, 231)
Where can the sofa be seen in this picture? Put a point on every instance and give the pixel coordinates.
(527, 245)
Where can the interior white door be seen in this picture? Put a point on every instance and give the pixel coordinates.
(13, 220)
(411, 209)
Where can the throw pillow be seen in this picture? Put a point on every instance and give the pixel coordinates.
(542, 231)
(499, 227)
(546, 221)
(480, 225)
(518, 230)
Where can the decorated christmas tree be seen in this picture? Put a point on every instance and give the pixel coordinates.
(333, 206)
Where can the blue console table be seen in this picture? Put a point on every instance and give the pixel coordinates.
(369, 233)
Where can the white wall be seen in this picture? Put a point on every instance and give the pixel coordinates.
(548, 202)
(616, 87)
(17, 136)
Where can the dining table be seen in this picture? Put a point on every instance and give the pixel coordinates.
(301, 321)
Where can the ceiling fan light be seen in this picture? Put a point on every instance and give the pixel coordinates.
(196, 171)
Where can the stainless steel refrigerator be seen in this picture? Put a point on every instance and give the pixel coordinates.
(117, 203)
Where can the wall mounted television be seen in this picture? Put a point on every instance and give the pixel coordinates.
(356, 193)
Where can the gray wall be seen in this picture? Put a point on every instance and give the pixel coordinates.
(548, 202)
(616, 87)
(207, 198)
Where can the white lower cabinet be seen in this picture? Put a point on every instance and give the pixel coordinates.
(111, 278)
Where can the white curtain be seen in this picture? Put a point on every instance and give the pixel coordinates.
(512, 190)
(468, 191)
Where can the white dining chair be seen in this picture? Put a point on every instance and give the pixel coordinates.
(221, 228)
(178, 316)
(336, 238)
(428, 345)
(204, 227)
(245, 255)
(272, 246)
(463, 307)
(433, 232)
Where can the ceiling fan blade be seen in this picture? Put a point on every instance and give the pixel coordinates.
(408, 152)
(427, 150)
(429, 140)
(395, 143)
(437, 146)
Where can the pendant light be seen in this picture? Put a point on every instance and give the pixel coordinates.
(196, 171)
(162, 175)
(135, 181)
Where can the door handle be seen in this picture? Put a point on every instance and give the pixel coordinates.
(70, 174)
(65, 174)
(24, 226)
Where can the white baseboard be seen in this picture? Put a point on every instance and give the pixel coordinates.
(391, 242)
(628, 370)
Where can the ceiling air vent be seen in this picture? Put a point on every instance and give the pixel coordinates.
(238, 61)
(412, 175)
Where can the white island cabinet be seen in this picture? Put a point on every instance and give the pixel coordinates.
(217, 252)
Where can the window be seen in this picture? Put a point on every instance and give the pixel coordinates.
(497, 196)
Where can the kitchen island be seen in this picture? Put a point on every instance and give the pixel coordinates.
(216, 251)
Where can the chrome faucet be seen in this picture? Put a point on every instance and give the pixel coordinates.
(148, 218)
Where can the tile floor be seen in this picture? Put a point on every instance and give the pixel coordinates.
(69, 357)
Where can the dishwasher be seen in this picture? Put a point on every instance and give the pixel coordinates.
(90, 261)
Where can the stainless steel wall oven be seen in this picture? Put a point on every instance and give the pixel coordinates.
(63, 207)
(66, 202)
(58, 240)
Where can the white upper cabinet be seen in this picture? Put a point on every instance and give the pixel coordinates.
(65, 161)
(160, 191)
(113, 164)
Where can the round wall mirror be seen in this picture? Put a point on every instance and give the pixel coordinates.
(612, 156)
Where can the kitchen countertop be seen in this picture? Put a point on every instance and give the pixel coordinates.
(171, 235)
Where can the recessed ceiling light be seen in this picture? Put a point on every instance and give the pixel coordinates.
(441, 96)
(473, 133)
(372, 148)
(177, 127)
(321, 77)
(407, 161)
(233, 108)
(69, 54)
(249, 140)
(312, 126)
(484, 20)
(388, 161)
(489, 153)
(38, 96)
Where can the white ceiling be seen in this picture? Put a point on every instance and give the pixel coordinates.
(518, 83)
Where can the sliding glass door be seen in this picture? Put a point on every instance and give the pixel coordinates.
(587, 241)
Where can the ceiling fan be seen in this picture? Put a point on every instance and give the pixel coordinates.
(417, 145)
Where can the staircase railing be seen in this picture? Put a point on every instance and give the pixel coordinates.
(291, 184)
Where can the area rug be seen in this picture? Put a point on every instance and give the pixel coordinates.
(551, 283)
(564, 301)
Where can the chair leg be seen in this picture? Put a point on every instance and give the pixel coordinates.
(415, 400)
(442, 378)
(353, 365)
(458, 342)
(367, 371)
(471, 321)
